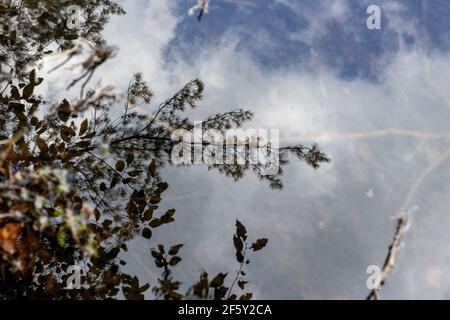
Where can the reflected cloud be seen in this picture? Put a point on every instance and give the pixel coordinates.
(377, 103)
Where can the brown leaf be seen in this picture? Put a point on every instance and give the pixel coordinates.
(152, 168)
(242, 283)
(239, 256)
(238, 244)
(15, 94)
(155, 199)
(28, 91)
(32, 76)
(83, 144)
(148, 214)
(132, 210)
(68, 130)
(8, 236)
(120, 165)
(115, 180)
(41, 145)
(64, 110)
(217, 281)
(155, 223)
(247, 296)
(241, 231)
(259, 244)
(168, 216)
(174, 249)
(174, 261)
(130, 158)
(83, 127)
(147, 233)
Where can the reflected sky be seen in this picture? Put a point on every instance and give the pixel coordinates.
(377, 101)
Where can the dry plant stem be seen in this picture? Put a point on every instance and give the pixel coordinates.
(389, 262)
(237, 273)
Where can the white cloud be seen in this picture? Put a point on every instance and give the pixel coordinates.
(318, 18)
(142, 35)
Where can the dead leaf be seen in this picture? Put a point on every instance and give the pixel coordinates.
(8, 236)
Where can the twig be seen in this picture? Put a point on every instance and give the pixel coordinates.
(238, 273)
(389, 262)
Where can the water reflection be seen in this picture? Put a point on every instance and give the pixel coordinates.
(388, 136)
(80, 174)
(378, 104)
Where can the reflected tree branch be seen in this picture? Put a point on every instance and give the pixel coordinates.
(390, 260)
